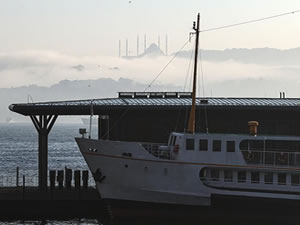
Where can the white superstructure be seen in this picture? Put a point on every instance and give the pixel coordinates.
(192, 167)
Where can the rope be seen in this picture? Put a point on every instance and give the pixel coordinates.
(185, 82)
(188, 71)
(250, 21)
(157, 76)
(125, 112)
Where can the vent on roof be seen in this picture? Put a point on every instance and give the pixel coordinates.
(155, 94)
(126, 94)
(141, 94)
(171, 95)
(203, 101)
(185, 94)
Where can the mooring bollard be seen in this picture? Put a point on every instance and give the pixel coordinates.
(23, 187)
(85, 178)
(77, 178)
(52, 175)
(68, 178)
(17, 177)
(60, 178)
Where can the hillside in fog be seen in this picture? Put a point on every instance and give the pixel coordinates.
(267, 56)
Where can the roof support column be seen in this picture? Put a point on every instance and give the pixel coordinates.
(43, 125)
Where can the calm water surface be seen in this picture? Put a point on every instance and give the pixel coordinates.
(19, 144)
(18, 147)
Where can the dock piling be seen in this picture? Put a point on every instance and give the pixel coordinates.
(68, 178)
(60, 178)
(17, 177)
(52, 175)
(85, 178)
(23, 189)
(77, 179)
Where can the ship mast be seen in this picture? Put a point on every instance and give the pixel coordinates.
(191, 124)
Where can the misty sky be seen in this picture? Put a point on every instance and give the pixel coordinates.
(44, 42)
(93, 27)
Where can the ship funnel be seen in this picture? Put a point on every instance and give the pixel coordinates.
(253, 127)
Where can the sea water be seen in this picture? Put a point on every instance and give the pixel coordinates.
(19, 148)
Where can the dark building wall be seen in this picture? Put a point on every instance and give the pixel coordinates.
(154, 125)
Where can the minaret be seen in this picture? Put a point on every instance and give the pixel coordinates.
(137, 45)
(166, 51)
(119, 48)
(145, 42)
(126, 47)
(158, 42)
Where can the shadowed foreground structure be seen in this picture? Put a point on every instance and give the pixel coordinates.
(34, 204)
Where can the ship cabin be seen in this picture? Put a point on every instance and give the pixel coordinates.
(229, 161)
(233, 160)
(235, 149)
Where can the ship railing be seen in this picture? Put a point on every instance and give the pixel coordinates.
(275, 158)
(158, 150)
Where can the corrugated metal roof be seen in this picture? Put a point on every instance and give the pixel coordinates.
(174, 102)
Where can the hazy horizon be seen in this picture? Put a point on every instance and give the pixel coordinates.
(43, 43)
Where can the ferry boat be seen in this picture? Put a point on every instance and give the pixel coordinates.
(192, 168)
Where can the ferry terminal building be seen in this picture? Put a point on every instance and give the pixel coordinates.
(151, 116)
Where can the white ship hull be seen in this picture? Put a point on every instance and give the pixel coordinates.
(142, 177)
(129, 172)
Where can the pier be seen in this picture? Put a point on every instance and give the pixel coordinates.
(68, 195)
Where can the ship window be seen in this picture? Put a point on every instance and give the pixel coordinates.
(282, 145)
(281, 178)
(174, 140)
(203, 145)
(242, 176)
(295, 179)
(217, 145)
(215, 174)
(252, 145)
(269, 178)
(255, 177)
(228, 175)
(297, 159)
(256, 145)
(230, 146)
(190, 144)
(171, 140)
